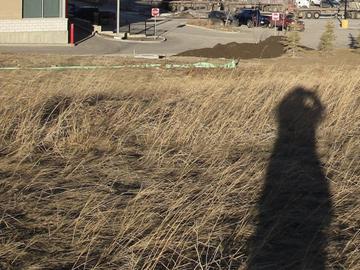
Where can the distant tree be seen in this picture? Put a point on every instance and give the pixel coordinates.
(292, 43)
(327, 38)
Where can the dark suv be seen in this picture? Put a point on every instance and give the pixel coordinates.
(251, 18)
(220, 17)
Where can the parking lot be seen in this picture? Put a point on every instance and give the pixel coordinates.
(181, 37)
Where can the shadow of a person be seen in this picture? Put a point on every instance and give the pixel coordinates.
(294, 209)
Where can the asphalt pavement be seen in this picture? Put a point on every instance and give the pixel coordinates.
(181, 37)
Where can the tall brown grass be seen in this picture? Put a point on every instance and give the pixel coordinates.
(121, 169)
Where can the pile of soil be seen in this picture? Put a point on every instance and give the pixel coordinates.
(268, 48)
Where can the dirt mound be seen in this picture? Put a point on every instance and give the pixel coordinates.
(268, 48)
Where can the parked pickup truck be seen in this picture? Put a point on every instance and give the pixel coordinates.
(288, 22)
(251, 18)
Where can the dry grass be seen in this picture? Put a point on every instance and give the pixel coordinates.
(121, 169)
(212, 25)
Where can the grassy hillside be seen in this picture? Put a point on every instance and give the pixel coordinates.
(126, 169)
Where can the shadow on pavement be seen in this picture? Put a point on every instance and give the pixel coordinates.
(146, 27)
(83, 30)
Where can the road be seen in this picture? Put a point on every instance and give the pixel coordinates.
(181, 38)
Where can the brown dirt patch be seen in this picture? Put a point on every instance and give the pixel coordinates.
(268, 48)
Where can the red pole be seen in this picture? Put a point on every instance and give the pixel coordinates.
(72, 30)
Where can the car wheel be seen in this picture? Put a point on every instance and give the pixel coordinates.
(250, 24)
(308, 15)
(316, 15)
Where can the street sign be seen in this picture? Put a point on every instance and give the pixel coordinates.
(155, 12)
(275, 16)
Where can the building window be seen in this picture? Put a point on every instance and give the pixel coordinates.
(42, 8)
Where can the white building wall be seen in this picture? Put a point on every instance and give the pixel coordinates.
(34, 25)
(17, 30)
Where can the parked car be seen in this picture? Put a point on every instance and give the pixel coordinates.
(296, 25)
(287, 22)
(220, 17)
(251, 18)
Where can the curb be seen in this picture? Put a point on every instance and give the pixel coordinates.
(107, 37)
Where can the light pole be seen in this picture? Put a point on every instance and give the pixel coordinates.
(118, 17)
(345, 10)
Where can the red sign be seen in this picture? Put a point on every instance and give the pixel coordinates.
(155, 12)
(275, 16)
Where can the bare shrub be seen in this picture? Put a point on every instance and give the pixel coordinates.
(327, 38)
(292, 43)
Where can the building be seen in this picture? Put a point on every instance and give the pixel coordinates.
(33, 22)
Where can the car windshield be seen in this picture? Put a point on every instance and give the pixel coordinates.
(244, 11)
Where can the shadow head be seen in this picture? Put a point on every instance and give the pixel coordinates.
(300, 111)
